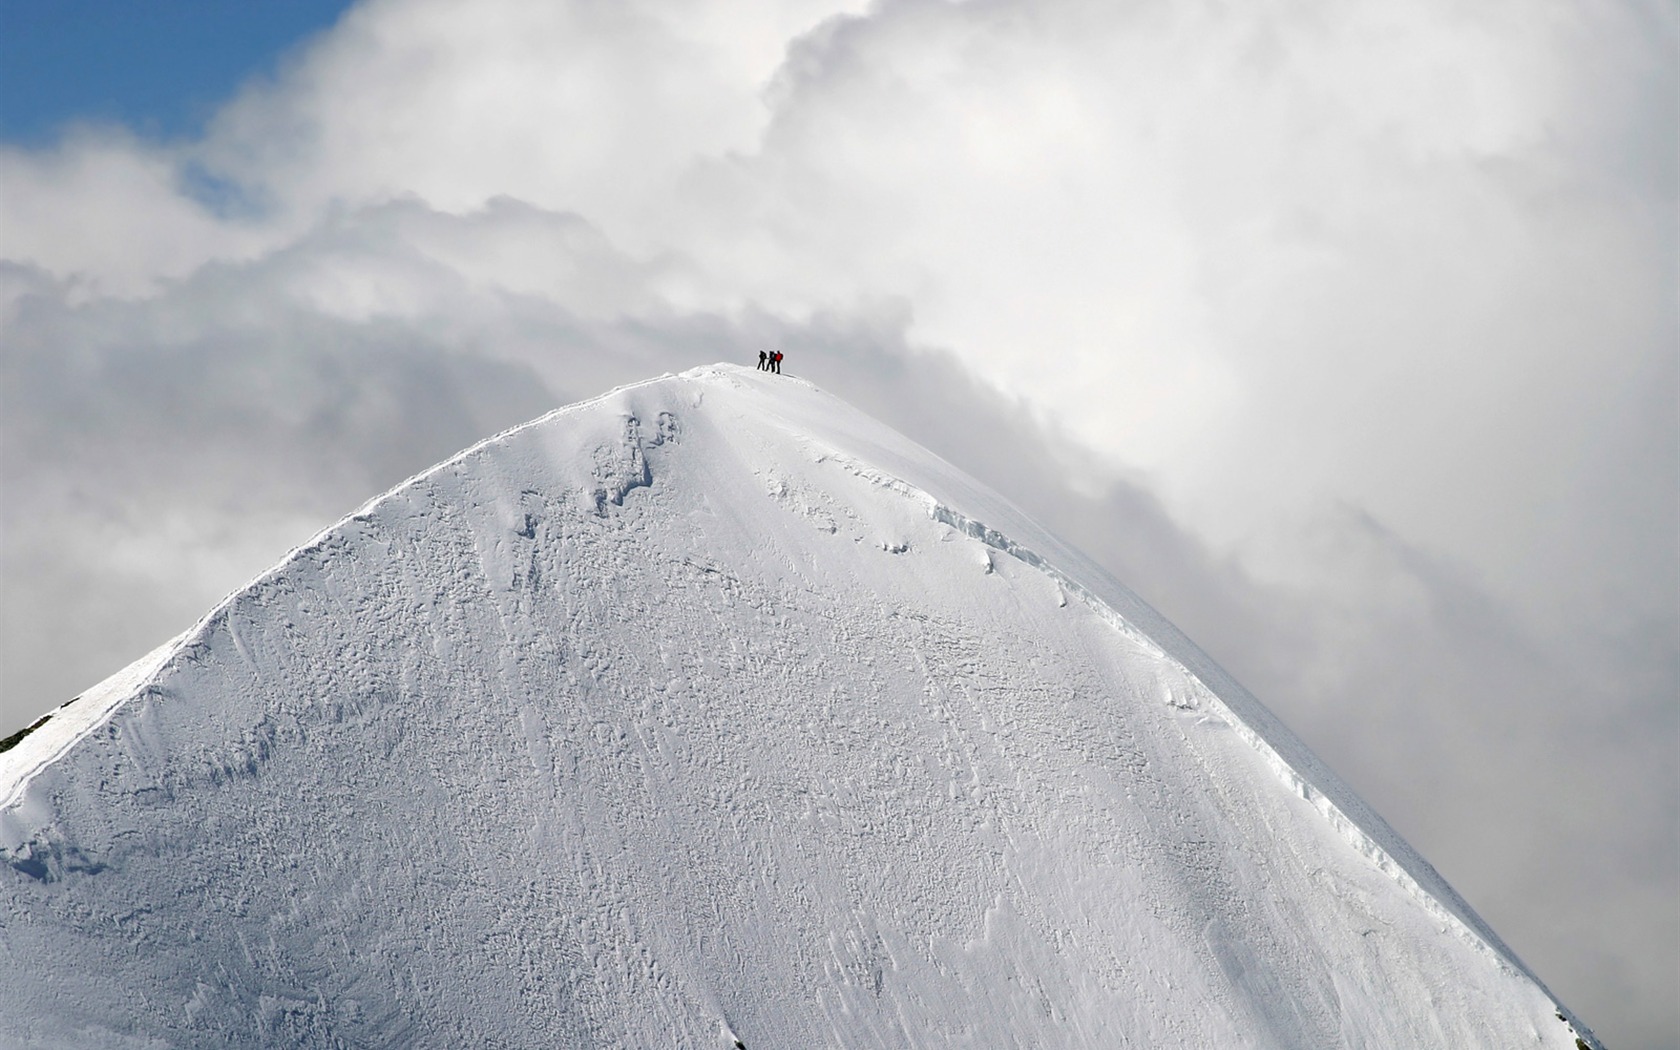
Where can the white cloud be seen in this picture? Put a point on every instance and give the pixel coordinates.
(110, 211)
(1346, 333)
(1274, 259)
(582, 107)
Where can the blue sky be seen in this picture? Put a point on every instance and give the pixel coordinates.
(160, 68)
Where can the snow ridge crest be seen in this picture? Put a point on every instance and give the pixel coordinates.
(658, 665)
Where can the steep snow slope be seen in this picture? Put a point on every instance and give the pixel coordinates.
(706, 711)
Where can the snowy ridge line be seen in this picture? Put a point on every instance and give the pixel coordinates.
(362, 512)
(93, 707)
(1440, 900)
(1116, 606)
(877, 486)
(96, 705)
(575, 408)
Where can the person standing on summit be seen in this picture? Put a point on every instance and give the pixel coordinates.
(776, 361)
(763, 361)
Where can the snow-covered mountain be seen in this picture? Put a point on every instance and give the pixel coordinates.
(710, 713)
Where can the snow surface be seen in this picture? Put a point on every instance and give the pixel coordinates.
(710, 711)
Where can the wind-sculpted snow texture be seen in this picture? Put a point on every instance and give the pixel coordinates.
(710, 713)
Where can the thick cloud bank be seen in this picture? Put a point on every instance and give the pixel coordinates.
(1346, 335)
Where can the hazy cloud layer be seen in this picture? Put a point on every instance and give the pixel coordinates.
(1345, 335)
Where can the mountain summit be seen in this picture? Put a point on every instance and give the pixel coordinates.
(710, 713)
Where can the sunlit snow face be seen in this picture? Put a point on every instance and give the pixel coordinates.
(1371, 309)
